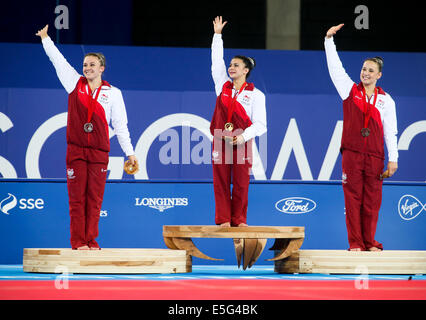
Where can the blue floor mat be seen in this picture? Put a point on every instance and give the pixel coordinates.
(15, 272)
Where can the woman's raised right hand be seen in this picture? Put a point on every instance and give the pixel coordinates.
(218, 25)
(43, 32)
(332, 31)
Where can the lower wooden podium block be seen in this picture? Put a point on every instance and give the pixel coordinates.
(106, 261)
(349, 262)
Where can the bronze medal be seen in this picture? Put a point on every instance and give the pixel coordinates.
(88, 127)
(365, 132)
(131, 168)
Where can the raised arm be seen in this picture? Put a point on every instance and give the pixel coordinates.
(218, 64)
(66, 73)
(340, 78)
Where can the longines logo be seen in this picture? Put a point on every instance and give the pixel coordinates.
(161, 204)
(409, 207)
(295, 205)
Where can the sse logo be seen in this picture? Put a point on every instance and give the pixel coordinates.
(11, 202)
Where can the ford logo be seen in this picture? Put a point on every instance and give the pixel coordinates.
(295, 205)
(410, 207)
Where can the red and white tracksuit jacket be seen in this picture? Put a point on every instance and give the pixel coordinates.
(87, 153)
(231, 164)
(362, 157)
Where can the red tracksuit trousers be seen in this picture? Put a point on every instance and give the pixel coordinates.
(86, 178)
(231, 164)
(362, 190)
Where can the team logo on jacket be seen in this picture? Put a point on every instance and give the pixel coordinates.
(103, 98)
(246, 99)
(215, 155)
(70, 173)
(409, 207)
(295, 205)
(380, 104)
(344, 178)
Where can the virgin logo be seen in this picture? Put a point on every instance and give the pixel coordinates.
(295, 205)
(410, 207)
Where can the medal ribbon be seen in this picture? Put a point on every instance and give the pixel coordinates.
(367, 106)
(92, 102)
(232, 106)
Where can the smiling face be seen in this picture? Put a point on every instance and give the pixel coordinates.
(370, 73)
(92, 68)
(237, 69)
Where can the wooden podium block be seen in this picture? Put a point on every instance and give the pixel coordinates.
(105, 261)
(350, 262)
(249, 241)
(251, 232)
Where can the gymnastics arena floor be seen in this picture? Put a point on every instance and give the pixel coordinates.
(207, 282)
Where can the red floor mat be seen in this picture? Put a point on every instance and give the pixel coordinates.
(213, 290)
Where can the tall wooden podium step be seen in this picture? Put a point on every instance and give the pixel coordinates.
(249, 241)
(106, 261)
(349, 262)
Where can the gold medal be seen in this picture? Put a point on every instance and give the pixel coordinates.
(229, 126)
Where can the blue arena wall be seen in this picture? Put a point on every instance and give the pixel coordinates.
(133, 214)
(170, 98)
